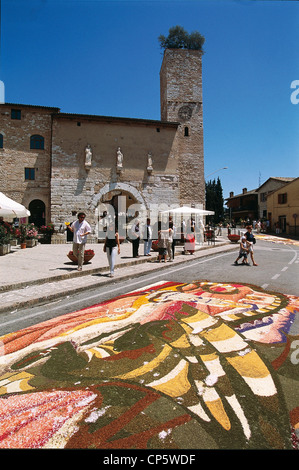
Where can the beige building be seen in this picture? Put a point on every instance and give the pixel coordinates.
(57, 164)
(283, 208)
(266, 188)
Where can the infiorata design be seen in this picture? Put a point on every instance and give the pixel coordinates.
(174, 365)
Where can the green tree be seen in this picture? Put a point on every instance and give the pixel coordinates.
(178, 38)
(214, 199)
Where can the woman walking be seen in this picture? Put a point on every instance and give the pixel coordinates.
(111, 246)
(251, 239)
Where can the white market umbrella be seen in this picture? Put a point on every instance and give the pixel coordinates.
(10, 208)
(188, 210)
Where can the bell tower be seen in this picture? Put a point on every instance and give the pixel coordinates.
(181, 101)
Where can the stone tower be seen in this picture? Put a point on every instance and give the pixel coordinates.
(181, 101)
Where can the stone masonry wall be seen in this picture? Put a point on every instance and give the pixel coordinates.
(16, 155)
(181, 100)
(75, 187)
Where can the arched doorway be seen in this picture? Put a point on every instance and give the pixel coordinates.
(119, 203)
(38, 212)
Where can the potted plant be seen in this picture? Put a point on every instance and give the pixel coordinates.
(88, 255)
(233, 237)
(46, 231)
(31, 235)
(5, 234)
(15, 236)
(23, 235)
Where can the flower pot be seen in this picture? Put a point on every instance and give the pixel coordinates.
(30, 243)
(4, 249)
(74, 259)
(23, 245)
(233, 238)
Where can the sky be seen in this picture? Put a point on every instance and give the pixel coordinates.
(103, 57)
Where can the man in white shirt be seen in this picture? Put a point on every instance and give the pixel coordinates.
(81, 229)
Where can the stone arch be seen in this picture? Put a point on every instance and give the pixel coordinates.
(109, 187)
(107, 198)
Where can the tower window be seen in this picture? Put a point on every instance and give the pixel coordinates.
(37, 142)
(15, 114)
(186, 131)
(1, 141)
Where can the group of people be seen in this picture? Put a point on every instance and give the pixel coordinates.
(246, 247)
(166, 240)
(165, 244)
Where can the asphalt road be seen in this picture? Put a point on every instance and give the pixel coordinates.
(277, 270)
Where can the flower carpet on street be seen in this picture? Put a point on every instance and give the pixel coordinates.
(173, 366)
(276, 239)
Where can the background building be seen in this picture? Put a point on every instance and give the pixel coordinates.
(58, 164)
(266, 188)
(243, 206)
(283, 208)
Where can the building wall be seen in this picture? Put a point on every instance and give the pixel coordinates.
(66, 184)
(280, 211)
(271, 185)
(16, 154)
(181, 100)
(75, 186)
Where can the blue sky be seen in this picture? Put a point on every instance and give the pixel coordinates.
(103, 57)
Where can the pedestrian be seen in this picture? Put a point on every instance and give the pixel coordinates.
(243, 252)
(111, 246)
(135, 235)
(163, 237)
(170, 242)
(277, 228)
(190, 238)
(201, 231)
(219, 229)
(147, 237)
(173, 243)
(258, 226)
(251, 239)
(80, 229)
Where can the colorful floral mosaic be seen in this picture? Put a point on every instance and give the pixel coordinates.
(173, 366)
(276, 239)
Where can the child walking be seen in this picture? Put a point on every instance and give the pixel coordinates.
(244, 250)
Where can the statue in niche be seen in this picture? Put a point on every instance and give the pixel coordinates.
(88, 156)
(149, 162)
(120, 159)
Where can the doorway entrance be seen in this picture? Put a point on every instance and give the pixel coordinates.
(283, 223)
(38, 212)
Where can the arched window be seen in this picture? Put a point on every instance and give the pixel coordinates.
(1, 141)
(186, 131)
(37, 142)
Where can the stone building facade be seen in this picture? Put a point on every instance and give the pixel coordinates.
(58, 164)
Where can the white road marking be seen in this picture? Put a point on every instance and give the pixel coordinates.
(275, 276)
